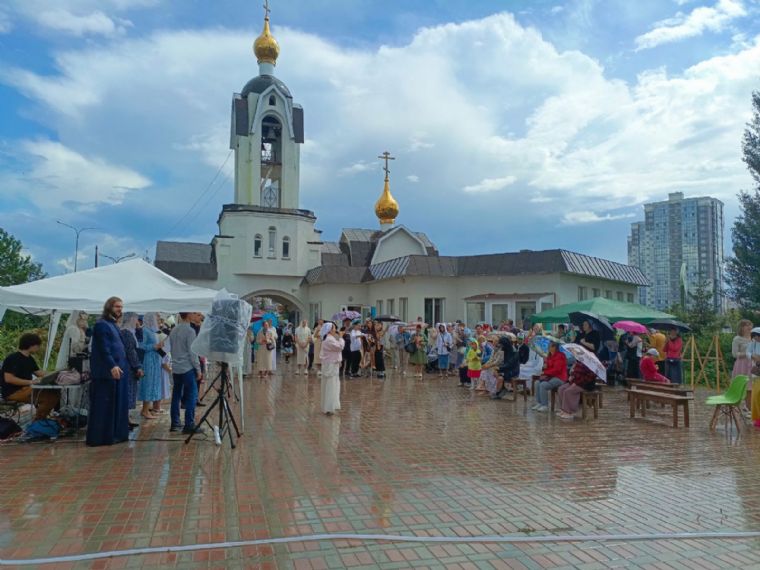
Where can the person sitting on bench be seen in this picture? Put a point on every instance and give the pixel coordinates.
(649, 367)
(569, 395)
(554, 376)
(20, 371)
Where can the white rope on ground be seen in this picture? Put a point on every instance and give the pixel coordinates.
(739, 535)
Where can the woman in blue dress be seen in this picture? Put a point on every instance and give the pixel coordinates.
(150, 384)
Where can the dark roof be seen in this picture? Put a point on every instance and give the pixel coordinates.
(261, 209)
(359, 244)
(332, 254)
(261, 83)
(519, 263)
(336, 274)
(186, 260)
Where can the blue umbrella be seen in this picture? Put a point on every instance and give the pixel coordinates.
(271, 317)
(540, 345)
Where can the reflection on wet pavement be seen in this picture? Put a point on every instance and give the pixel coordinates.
(404, 456)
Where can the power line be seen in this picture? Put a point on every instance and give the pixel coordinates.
(211, 196)
(200, 196)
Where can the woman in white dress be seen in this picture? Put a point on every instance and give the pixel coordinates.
(265, 345)
(303, 336)
(331, 355)
(74, 339)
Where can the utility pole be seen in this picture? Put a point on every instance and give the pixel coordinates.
(77, 231)
(96, 256)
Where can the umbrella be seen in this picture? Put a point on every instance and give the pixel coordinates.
(387, 319)
(588, 359)
(607, 308)
(631, 327)
(599, 324)
(540, 345)
(271, 317)
(343, 315)
(667, 324)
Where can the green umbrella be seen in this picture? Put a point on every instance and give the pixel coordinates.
(611, 310)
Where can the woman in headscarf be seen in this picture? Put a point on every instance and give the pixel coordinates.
(135, 371)
(444, 343)
(166, 367)
(74, 339)
(331, 353)
(265, 344)
(302, 347)
(150, 385)
(317, 339)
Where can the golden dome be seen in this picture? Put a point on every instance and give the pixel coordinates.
(386, 208)
(266, 47)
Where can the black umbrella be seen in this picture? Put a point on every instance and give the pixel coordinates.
(667, 324)
(387, 319)
(599, 324)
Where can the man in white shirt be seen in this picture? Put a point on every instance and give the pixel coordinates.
(303, 336)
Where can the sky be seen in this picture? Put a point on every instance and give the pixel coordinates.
(516, 124)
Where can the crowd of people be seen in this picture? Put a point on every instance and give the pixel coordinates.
(147, 359)
(131, 358)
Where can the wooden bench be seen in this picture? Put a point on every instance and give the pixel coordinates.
(591, 399)
(639, 398)
(677, 389)
(521, 383)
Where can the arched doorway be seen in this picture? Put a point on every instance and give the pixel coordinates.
(291, 307)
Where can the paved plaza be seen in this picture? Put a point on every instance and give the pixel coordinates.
(404, 456)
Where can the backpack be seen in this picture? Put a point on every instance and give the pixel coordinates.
(43, 429)
(9, 428)
(410, 347)
(523, 353)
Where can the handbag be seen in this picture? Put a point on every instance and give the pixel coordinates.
(270, 346)
(68, 378)
(755, 369)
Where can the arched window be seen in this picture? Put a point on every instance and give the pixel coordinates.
(286, 247)
(272, 240)
(272, 101)
(257, 245)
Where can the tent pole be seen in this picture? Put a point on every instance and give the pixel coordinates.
(55, 317)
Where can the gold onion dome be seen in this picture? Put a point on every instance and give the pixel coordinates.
(386, 208)
(266, 47)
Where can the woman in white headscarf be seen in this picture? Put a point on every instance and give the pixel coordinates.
(74, 339)
(150, 385)
(331, 354)
(128, 334)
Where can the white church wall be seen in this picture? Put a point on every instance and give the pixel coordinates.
(398, 242)
(245, 226)
(334, 296)
(569, 291)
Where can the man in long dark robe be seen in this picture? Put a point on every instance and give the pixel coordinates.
(108, 420)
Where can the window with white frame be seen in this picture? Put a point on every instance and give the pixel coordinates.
(286, 247)
(257, 245)
(403, 308)
(272, 240)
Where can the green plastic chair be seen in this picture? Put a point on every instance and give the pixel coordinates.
(728, 404)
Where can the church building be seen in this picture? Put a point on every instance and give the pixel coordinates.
(267, 246)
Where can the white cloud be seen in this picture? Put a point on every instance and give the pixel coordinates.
(540, 199)
(357, 167)
(413, 178)
(491, 184)
(76, 17)
(59, 176)
(94, 23)
(588, 217)
(5, 22)
(695, 23)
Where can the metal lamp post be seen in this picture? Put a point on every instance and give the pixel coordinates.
(77, 231)
(118, 259)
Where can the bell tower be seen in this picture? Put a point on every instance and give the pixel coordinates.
(267, 129)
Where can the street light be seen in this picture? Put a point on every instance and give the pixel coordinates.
(77, 231)
(117, 259)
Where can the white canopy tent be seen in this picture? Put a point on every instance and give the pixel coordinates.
(143, 288)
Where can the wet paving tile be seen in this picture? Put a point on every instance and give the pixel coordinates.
(403, 456)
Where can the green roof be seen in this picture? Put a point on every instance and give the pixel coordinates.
(611, 310)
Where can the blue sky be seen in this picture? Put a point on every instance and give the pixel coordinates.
(516, 124)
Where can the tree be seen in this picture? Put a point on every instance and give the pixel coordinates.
(701, 314)
(15, 267)
(741, 270)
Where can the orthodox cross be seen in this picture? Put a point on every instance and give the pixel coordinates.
(386, 156)
(266, 9)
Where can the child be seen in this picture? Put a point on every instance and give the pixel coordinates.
(648, 367)
(472, 359)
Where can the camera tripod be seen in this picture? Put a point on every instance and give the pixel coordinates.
(223, 389)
